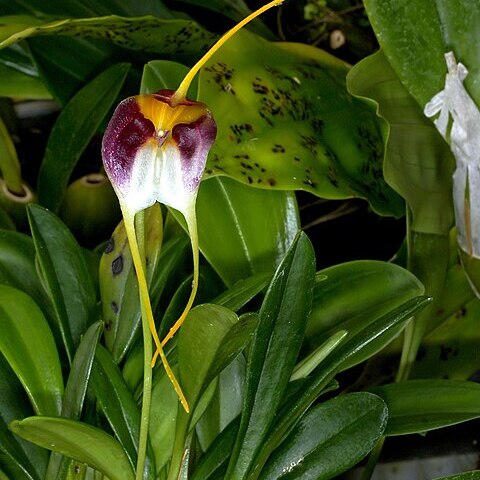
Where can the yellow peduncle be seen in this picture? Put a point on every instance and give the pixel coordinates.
(182, 90)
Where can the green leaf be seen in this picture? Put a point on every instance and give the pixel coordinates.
(146, 33)
(418, 164)
(416, 406)
(217, 455)
(379, 287)
(17, 268)
(230, 219)
(28, 346)
(286, 121)
(20, 85)
(225, 405)
(65, 275)
(79, 441)
(243, 291)
(118, 282)
(74, 128)
(211, 337)
(75, 391)
(330, 438)
(473, 475)
(163, 418)
(274, 351)
(295, 406)
(160, 74)
(416, 35)
(200, 339)
(117, 404)
(21, 460)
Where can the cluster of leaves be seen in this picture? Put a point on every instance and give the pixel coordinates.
(258, 356)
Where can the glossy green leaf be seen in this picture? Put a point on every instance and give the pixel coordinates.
(296, 405)
(274, 351)
(17, 268)
(160, 74)
(353, 296)
(416, 406)
(75, 391)
(418, 163)
(65, 275)
(225, 405)
(117, 404)
(286, 121)
(212, 464)
(329, 439)
(27, 344)
(163, 418)
(118, 282)
(233, 234)
(202, 335)
(74, 128)
(21, 460)
(77, 440)
(20, 85)
(243, 291)
(473, 475)
(416, 35)
(451, 350)
(147, 33)
(211, 337)
(67, 65)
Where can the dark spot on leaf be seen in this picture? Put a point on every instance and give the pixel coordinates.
(272, 182)
(110, 245)
(114, 307)
(117, 265)
(108, 325)
(445, 352)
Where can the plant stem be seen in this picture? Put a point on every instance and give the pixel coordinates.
(147, 357)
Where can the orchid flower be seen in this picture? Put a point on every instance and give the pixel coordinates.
(458, 121)
(155, 149)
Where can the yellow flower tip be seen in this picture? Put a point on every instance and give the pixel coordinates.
(182, 90)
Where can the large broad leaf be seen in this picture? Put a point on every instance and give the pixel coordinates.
(73, 130)
(234, 235)
(19, 459)
(415, 35)
(65, 275)
(77, 440)
(274, 351)
(329, 439)
(286, 121)
(148, 33)
(416, 406)
(27, 344)
(353, 296)
(418, 164)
